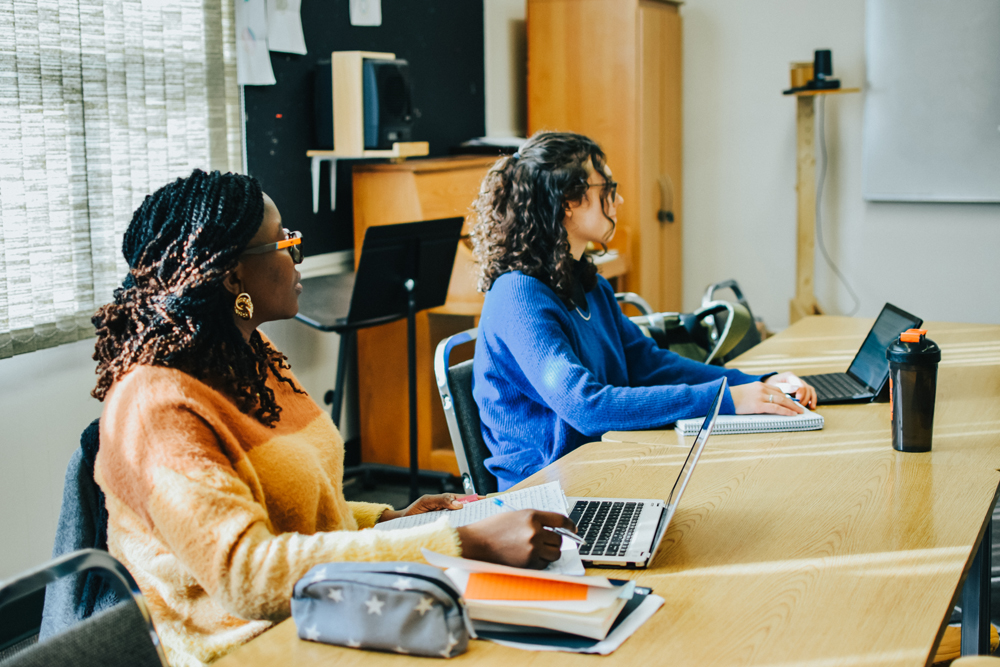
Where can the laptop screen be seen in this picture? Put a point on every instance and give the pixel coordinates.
(699, 444)
(870, 366)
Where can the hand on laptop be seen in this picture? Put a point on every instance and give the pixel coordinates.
(760, 398)
(790, 383)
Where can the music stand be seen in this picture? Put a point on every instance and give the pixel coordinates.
(403, 269)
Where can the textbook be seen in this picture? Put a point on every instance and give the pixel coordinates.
(582, 606)
(637, 611)
(731, 424)
(546, 497)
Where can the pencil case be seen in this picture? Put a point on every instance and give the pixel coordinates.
(399, 607)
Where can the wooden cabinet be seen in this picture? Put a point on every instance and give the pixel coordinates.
(611, 69)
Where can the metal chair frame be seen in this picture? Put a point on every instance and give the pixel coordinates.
(441, 368)
(76, 562)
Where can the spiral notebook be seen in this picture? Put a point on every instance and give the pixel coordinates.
(731, 424)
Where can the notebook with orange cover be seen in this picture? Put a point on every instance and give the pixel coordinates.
(490, 586)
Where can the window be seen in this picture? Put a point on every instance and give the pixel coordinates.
(101, 102)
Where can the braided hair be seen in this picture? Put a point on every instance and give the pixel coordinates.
(521, 210)
(172, 309)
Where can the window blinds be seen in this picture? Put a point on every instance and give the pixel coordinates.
(101, 102)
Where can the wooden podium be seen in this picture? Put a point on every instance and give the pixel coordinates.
(804, 303)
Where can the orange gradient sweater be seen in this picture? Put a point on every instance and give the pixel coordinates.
(217, 516)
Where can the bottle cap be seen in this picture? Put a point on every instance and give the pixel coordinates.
(914, 347)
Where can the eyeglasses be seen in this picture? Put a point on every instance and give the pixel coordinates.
(611, 184)
(293, 242)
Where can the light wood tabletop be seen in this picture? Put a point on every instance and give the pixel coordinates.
(822, 548)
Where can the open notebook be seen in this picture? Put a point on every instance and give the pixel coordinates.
(807, 421)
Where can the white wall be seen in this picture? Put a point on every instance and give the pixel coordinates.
(936, 260)
(44, 406)
(506, 68)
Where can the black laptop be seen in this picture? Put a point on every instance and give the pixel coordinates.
(868, 373)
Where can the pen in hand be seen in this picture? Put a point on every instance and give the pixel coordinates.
(555, 529)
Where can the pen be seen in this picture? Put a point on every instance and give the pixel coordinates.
(561, 531)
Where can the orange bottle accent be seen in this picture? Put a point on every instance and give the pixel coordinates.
(912, 335)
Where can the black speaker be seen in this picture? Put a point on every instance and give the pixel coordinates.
(823, 71)
(388, 106)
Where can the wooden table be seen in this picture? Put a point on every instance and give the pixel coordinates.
(825, 548)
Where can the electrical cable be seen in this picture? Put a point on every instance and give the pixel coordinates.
(819, 199)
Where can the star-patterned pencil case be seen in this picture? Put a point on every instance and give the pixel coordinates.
(408, 608)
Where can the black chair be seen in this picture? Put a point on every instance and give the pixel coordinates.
(454, 383)
(121, 635)
(83, 524)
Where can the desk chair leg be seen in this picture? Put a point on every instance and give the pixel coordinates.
(411, 359)
(346, 348)
(976, 600)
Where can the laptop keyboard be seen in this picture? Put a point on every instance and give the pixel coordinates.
(606, 525)
(833, 386)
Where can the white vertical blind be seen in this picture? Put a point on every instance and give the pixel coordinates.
(101, 101)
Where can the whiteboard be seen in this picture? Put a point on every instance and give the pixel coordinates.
(932, 101)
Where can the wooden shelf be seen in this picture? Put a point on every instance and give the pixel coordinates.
(814, 93)
(400, 149)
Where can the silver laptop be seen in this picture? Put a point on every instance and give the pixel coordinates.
(626, 532)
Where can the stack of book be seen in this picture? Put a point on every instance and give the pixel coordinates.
(534, 609)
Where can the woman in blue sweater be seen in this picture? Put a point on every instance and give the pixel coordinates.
(557, 364)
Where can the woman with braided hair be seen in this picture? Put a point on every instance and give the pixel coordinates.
(557, 364)
(222, 477)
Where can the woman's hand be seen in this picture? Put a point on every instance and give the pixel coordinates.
(759, 398)
(441, 501)
(518, 539)
(805, 393)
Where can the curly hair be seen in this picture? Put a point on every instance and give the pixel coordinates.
(521, 207)
(172, 309)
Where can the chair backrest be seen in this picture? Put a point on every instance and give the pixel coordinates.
(83, 524)
(462, 415)
(121, 635)
(752, 336)
(634, 299)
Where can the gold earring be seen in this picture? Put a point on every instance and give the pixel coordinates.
(243, 306)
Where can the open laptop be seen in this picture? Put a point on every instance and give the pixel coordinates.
(869, 372)
(626, 532)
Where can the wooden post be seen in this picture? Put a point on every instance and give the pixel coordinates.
(804, 302)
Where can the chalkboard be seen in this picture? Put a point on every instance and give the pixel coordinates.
(443, 42)
(932, 100)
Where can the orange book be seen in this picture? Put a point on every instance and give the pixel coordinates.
(490, 586)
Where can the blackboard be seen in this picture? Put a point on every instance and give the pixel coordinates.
(443, 42)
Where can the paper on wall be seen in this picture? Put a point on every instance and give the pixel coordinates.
(366, 12)
(284, 27)
(253, 60)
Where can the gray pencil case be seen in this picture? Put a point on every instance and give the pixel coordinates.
(408, 608)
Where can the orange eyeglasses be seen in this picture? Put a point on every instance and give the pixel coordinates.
(293, 242)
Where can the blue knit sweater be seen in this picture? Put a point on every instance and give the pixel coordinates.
(546, 380)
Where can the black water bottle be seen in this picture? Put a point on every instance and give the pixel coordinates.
(913, 363)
